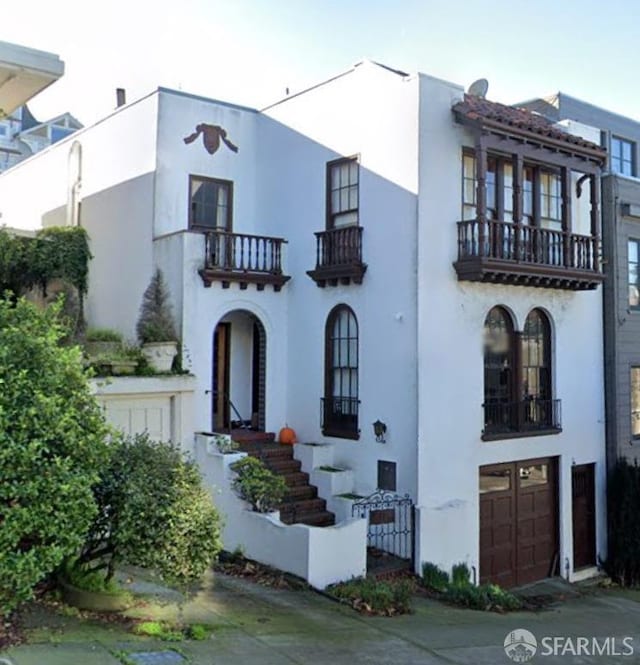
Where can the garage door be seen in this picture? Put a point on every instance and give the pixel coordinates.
(518, 521)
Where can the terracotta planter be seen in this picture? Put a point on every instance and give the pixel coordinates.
(95, 601)
(160, 355)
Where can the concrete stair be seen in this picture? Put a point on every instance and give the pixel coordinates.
(301, 504)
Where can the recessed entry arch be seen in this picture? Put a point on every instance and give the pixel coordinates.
(239, 366)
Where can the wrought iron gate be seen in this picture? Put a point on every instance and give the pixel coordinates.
(390, 523)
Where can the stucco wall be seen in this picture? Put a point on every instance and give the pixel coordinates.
(451, 391)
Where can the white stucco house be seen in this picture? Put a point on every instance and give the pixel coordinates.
(380, 248)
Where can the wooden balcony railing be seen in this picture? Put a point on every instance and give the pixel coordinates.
(244, 258)
(338, 256)
(524, 418)
(520, 254)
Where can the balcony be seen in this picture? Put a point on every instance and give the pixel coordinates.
(528, 417)
(243, 258)
(338, 257)
(339, 417)
(506, 253)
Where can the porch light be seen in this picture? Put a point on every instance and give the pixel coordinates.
(379, 429)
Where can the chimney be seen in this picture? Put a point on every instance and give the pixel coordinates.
(121, 97)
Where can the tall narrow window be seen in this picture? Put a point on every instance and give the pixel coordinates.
(622, 156)
(536, 370)
(342, 193)
(635, 401)
(468, 186)
(633, 276)
(341, 374)
(210, 203)
(498, 371)
(550, 201)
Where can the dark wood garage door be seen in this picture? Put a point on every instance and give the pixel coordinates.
(518, 521)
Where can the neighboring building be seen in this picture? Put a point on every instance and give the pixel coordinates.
(21, 135)
(321, 277)
(621, 252)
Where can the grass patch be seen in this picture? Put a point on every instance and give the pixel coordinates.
(172, 632)
(378, 597)
(458, 590)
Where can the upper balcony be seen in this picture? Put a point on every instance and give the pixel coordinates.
(505, 253)
(243, 258)
(521, 185)
(338, 256)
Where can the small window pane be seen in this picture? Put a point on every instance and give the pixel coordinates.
(632, 272)
(496, 480)
(635, 401)
(536, 474)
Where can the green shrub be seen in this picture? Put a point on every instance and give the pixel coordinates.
(376, 596)
(623, 562)
(198, 631)
(153, 512)
(52, 442)
(155, 323)
(460, 575)
(262, 488)
(103, 335)
(484, 597)
(434, 578)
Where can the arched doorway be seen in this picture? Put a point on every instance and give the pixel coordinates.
(239, 372)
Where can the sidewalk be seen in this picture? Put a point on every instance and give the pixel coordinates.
(260, 625)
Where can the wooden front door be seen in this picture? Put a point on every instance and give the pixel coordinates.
(518, 521)
(584, 515)
(220, 388)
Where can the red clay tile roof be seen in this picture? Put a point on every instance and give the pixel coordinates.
(478, 108)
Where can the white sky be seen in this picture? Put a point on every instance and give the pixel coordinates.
(249, 51)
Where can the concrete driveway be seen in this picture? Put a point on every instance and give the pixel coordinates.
(265, 626)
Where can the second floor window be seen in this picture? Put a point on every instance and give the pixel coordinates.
(342, 193)
(622, 160)
(541, 192)
(210, 203)
(632, 269)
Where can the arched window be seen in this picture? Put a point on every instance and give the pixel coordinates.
(518, 395)
(340, 404)
(499, 362)
(536, 369)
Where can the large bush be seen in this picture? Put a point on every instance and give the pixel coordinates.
(153, 512)
(623, 562)
(52, 437)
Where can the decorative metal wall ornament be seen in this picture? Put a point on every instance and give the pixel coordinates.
(211, 137)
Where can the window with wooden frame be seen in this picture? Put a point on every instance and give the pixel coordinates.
(635, 402)
(633, 278)
(342, 192)
(622, 156)
(210, 204)
(340, 412)
(517, 374)
(541, 191)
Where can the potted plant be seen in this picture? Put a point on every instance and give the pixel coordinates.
(155, 328)
(102, 341)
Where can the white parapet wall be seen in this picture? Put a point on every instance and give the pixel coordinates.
(160, 405)
(320, 555)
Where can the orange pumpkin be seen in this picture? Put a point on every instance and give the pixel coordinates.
(287, 436)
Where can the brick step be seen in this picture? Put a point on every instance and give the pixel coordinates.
(249, 436)
(296, 479)
(282, 466)
(305, 506)
(320, 518)
(267, 452)
(300, 493)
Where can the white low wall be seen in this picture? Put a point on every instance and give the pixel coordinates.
(162, 406)
(320, 555)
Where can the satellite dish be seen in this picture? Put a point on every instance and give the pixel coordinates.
(479, 88)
